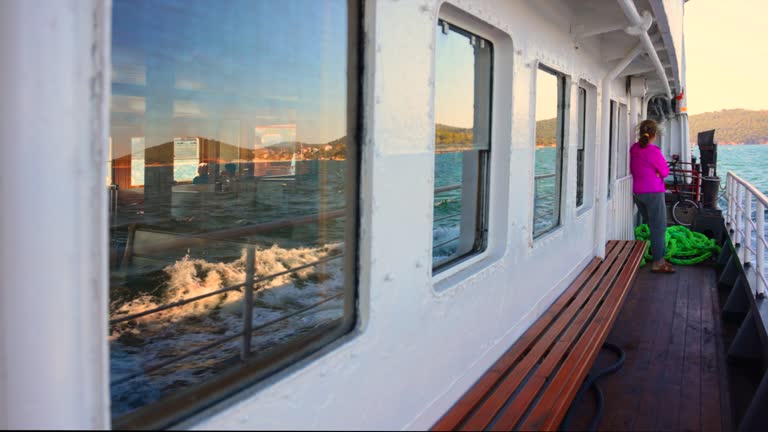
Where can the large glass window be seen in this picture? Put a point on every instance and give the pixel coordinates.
(233, 181)
(463, 75)
(548, 161)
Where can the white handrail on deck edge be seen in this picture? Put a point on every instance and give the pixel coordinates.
(739, 219)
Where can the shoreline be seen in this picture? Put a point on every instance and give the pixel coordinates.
(297, 160)
(693, 143)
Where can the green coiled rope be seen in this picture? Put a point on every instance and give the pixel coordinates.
(684, 247)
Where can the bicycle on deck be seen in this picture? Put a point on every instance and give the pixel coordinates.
(685, 191)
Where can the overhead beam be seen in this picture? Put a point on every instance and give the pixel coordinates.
(640, 26)
(615, 52)
(588, 17)
(582, 32)
(637, 70)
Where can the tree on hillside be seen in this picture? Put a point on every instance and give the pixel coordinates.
(735, 126)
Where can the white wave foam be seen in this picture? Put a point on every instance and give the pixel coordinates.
(446, 201)
(441, 235)
(191, 277)
(154, 338)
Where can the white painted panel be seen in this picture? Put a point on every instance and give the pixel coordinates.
(53, 229)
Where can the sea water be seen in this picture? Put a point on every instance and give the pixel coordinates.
(750, 162)
(746, 161)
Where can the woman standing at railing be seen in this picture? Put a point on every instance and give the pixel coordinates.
(649, 168)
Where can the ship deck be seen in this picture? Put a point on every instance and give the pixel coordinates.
(676, 376)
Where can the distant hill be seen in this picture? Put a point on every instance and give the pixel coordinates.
(734, 126)
(335, 149)
(451, 138)
(545, 133)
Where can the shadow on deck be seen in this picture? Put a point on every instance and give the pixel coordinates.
(675, 376)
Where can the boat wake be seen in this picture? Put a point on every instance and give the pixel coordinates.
(142, 348)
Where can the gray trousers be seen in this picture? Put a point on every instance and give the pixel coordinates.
(654, 212)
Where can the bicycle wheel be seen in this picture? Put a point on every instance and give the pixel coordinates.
(684, 212)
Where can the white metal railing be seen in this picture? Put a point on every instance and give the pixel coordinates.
(623, 210)
(747, 224)
(448, 188)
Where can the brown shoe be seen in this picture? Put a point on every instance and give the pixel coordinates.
(664, 268)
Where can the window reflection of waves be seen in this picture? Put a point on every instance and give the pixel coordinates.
(146, 350)
(544, 194)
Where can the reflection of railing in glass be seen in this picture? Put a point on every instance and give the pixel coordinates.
(113, 199)
(452, 225)
(248, 286)
(544, 207)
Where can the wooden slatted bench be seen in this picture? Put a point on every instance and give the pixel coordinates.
(535, 381)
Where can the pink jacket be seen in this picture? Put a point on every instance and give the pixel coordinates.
(648, 168)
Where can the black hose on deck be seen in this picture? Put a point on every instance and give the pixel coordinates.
(590, 383)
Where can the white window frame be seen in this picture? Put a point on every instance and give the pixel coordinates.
(590, 132)
(500, 131)
(561, 135)
(475, 182)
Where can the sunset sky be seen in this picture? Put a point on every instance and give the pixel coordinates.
(726, 54)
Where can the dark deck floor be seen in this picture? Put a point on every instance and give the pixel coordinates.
(675, 373)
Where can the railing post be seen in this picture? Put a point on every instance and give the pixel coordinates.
(738, 212)
(734, 197)
(250, 270)
(730, 192)
(747, 226)
(760, 258)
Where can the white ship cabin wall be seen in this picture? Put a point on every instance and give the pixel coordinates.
(421, 338)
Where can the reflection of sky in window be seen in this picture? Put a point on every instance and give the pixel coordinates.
(546, 95)
(221, 68)
(454, 80)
